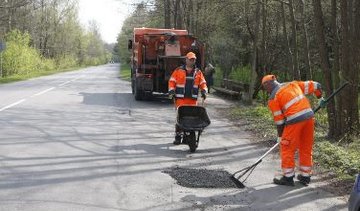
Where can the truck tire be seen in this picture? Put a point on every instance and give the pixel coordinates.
(191, 140)
(132, 86)
(139, 94)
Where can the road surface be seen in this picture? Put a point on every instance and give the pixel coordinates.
(79, 141)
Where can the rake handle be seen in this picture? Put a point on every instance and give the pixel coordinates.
(332, 95)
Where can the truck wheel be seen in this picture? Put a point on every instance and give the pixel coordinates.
(191, 139)
(132, 86)
(139, 94)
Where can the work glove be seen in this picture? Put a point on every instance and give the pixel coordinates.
(278, 140)
(322, 103)
(171, 94)
(203, 94)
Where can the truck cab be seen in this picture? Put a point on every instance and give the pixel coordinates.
(155, 54)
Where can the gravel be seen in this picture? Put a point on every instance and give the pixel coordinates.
(201, 178)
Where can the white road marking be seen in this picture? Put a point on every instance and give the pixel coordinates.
(72, 80)
(63, 84)
(43, 92)
(37, 94)
(12, 105)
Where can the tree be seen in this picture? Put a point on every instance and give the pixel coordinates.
(349, 65)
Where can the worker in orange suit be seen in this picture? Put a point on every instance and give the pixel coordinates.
(185, 83)
(294, 119)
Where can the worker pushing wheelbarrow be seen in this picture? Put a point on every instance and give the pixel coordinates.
(184, 86)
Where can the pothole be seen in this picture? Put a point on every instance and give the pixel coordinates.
(201, 178)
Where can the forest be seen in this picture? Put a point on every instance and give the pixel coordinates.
(293, 39)
(43, 36)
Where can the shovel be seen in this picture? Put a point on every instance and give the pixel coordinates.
(248, 170)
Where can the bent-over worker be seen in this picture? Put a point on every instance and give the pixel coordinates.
(294, 119)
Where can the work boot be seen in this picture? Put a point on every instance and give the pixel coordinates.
(177, 139)
(303, 179)
(288, 181)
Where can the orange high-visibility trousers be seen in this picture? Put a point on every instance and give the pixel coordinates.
(298, 136)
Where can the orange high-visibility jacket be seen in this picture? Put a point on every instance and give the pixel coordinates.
(178, 80)
(288, 103)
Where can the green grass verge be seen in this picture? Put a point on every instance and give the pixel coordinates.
(16, 77)
(341, 159)
(125, 72)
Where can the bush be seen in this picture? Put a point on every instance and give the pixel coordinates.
(19, 57)
(48, 65)
(336, 158)
(66, 61)
(241, 74)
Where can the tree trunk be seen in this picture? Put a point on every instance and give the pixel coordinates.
(264, 39)
(290, 61)
(187, 14)
(255, 53)
(307, 74)
(356, 61)
(296, 70)
(9, 14)
(339, 121)
(324, 61)
(167, 14)
(350, 71)
(176, 13)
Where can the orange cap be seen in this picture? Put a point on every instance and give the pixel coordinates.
(268, 78)
(190, 55)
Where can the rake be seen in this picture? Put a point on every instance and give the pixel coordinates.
(248, 170)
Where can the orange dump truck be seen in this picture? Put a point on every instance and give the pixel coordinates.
(155, 54)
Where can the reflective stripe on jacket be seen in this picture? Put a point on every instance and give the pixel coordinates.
(177, 82)
(288, 103)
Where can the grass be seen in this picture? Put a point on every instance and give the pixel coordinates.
(240, 74)
(343, 160)
(17, 77)
(258, 118)
(125, 72)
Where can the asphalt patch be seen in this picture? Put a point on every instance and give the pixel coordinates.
(201, 178)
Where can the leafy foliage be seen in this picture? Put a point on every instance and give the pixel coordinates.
(242, 74)
(47, 36)
(19, 57)
(125, 72)
(336, 158)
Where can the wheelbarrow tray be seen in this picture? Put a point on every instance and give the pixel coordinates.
(192, 118)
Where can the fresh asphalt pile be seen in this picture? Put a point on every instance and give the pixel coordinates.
(201, 178)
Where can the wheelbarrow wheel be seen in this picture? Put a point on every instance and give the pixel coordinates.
(191, 139)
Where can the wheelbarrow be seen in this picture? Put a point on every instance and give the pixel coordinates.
(192, 120)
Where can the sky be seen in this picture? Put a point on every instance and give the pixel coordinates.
(108, 14)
